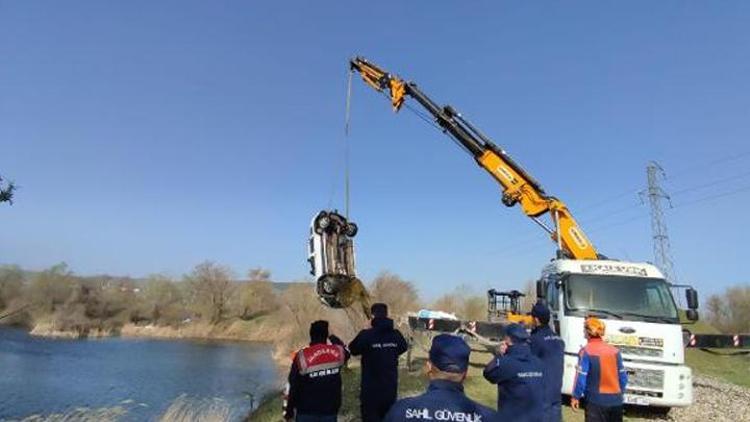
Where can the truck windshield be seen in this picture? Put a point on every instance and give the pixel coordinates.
(629, 298)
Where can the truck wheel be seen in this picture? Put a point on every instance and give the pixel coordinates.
(351, 229)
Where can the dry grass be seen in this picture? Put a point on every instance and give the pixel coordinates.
(186, 409)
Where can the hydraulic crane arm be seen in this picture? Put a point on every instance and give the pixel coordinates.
(518, 186)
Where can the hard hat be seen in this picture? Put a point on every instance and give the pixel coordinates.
(594, 327)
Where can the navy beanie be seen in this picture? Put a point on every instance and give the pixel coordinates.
(450, 353)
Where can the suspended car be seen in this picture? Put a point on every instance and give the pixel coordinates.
(331, 258)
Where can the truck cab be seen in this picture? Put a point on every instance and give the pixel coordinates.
(635, 302)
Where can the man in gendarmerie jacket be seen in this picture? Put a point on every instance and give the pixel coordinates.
(314, 389)
(380, 347)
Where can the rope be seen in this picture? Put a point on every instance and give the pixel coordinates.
(347, 118)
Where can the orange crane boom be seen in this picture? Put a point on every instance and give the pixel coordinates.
(518, 187)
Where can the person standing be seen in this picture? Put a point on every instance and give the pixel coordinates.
(600, 376)
(444, 399)
(550, 349)
(519, 378)
(314, 388)
(380, 346)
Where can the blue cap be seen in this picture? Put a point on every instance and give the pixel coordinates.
(541, 312)
(450, 353)
(517, 332)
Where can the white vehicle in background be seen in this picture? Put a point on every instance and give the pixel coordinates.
(642, 321)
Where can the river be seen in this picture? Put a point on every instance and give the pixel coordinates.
(138, 378)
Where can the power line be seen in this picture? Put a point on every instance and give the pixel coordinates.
(712, 183)
(710, 197)
(721, 160)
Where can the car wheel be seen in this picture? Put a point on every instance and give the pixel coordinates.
(322, 222)
(351, 229)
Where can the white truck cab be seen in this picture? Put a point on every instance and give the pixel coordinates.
(636, 304)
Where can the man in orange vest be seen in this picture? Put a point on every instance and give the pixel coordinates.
(600, 376)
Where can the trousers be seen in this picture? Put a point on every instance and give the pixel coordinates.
(595, 413)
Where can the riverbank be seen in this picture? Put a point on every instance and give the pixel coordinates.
(261, 329)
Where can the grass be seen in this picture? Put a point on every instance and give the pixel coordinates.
(734, 369)
(410, 383)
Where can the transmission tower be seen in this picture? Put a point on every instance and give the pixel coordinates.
(656, 198)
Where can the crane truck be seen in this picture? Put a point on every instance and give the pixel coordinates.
(634, 298)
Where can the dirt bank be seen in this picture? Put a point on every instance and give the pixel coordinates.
(48, 329)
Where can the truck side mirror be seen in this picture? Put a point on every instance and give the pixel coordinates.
(539, 289)
(692, 298)
(691, 315)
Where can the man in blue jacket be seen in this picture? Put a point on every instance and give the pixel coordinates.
(600, 377)
(380, 347)
(444, 399)
(550, 349)
(519, 378)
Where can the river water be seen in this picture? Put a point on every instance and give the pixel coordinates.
(141, 378)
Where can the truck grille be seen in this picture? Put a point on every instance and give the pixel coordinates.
(641, 351)
(645, 378)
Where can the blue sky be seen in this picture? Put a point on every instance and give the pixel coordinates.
(149, 136)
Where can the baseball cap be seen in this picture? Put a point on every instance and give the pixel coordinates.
(517, 332)
(450, 353)
(541, 311)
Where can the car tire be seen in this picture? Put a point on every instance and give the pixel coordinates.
(322, 221)
(351, 229)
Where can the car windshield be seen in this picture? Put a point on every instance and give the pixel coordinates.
(620, 297)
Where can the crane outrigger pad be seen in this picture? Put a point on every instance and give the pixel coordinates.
(331, 258)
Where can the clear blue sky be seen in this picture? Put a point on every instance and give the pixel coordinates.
(148, 136)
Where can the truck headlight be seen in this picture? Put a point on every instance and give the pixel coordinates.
(682, 377)
(681, 395)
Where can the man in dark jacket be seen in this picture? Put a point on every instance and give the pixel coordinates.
(380, 347)
(550, 349)
(444, 399)
(518, 375)
(314, 388)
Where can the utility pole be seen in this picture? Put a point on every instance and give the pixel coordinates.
(656, 197)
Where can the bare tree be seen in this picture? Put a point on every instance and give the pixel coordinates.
(7, 191)
(51, 288)
(256, 297)
(161, 300)
(259, 274)
(730, 312)
(400, 295)
(211, 286)
(11, 284)
(463, 302)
